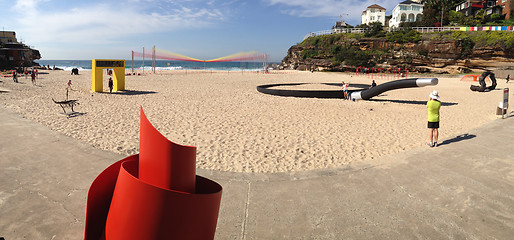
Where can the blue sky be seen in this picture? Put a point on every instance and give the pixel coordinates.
(204, 29)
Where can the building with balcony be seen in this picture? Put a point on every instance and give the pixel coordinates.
(507, 7)
(471, 7)
(374, 13)
(406, 11)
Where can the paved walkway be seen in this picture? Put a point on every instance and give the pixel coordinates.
(463, 189)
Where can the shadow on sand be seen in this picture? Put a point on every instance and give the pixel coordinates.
(459, 138)
(412, 102)
(130, 92)
(74, 114)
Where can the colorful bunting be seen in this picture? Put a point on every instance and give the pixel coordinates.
(166, 55)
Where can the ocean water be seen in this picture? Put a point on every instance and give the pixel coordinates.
(85, 65)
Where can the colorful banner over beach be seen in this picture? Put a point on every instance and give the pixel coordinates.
(166, 55)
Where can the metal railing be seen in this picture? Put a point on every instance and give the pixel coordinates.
(419, 29)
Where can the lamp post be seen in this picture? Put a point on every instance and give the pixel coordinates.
(442, 11)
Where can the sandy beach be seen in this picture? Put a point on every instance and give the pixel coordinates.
(236, 128)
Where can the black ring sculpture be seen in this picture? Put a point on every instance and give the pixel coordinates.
(267, 89)
(481, 81)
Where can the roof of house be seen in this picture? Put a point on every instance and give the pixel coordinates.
(376, 6)
(341, 24)
(410, 2)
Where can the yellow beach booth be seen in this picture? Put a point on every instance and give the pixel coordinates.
(118, 73)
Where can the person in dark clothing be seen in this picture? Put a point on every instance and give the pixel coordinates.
(33, 77)
(110, 85)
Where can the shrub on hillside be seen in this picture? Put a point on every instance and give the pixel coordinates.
(404, 36)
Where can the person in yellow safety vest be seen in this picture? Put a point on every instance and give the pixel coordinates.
(433, 106)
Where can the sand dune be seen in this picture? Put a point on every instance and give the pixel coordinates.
(236, 128)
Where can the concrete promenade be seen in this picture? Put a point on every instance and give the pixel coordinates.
(463, 189)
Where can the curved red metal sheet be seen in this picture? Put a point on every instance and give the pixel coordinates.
(153, 195)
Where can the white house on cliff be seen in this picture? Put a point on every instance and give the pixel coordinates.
(374, 13)
(406, 11)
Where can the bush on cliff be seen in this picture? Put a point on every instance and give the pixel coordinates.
(503, 39)
(351, 55)
(309, 53)
(404, 36)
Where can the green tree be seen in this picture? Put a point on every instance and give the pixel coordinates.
(433, 10)
(375, 30)
(456, 17)
(481, 17)
(428, 19)
(495, 17)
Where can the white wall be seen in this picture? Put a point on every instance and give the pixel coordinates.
(413, 10)
(373, 15)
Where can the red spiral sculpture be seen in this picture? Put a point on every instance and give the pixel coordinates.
(155, 194)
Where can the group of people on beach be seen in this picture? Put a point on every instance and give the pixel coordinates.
(346, 96)
(33, 75)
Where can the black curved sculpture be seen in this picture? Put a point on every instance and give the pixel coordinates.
(481, 81)
(397, 84)
(268, 89)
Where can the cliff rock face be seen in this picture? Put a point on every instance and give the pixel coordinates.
(295, 61)
(438, 56)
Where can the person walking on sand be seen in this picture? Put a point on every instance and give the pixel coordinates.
(508, 77)
(68, 88)
(15, 76)
(33, 76)
(433, 106)
(110, 85)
